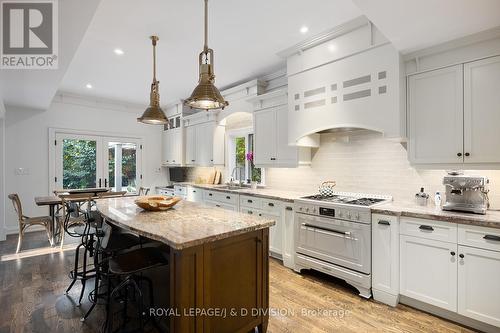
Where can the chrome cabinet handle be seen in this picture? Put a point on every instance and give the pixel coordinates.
(345, 233)
(289, 208)
(384, 222)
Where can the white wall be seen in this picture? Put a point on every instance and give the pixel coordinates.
(2, 170)
(26, 138)
(365, 162)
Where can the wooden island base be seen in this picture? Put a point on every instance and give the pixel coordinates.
(227, 280)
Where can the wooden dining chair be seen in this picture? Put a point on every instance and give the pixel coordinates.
(143, 190)
(25, 222)
(75, 211)
(110, 194)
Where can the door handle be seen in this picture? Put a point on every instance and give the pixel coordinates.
(99, 182)
(105, 182)
(492, 237)
(426, 227)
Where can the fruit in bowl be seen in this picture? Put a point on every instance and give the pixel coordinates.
(157, 202)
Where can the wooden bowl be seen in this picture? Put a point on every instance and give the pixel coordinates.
(157, 202)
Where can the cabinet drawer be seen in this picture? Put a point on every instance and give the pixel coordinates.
(250, 202)
(429, 229)
(271, 206)
(481, 237)
(220, 205)
(222, 197)
(180, 190)
(251, 211)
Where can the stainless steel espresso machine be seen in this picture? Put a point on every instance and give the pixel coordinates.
(466, 193)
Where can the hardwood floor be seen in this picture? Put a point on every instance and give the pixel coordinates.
(32, 299)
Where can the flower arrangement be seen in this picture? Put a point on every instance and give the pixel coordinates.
(250, 156)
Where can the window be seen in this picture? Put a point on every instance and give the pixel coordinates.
(241, 166)
(88, 161)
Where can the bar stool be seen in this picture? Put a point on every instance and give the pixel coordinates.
(128, 268)
(79, 222)
(143, 190)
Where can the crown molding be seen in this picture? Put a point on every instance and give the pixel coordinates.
(478, 37)
(96, 102)
(335, 32)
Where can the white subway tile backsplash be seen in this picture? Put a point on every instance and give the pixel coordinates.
(364, 161)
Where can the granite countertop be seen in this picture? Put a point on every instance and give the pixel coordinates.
(187, 224)
(269, 193)
(491, 219)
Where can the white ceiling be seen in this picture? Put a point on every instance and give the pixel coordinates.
(36, 88)
(415, 24)
(245, 35)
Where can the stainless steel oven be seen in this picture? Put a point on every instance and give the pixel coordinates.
(344, 243)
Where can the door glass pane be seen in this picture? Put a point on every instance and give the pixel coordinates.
(122, 166)
(79, 163)
(240, 146)
(255, 173)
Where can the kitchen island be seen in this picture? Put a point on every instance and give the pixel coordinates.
(219, 266)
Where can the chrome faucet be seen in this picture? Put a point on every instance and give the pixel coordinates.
(235, 172)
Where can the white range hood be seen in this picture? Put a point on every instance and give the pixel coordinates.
(361, 88)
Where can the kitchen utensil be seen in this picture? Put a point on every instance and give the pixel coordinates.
(421, 197)
(326, 188)
(157, 202)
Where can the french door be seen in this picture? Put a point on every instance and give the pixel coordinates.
(89, 161)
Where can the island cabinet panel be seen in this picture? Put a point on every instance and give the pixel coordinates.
(230, 274)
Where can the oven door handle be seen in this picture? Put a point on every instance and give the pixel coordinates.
(327, 231)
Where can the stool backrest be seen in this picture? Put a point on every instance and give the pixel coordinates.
(77, 201)
(16, 202)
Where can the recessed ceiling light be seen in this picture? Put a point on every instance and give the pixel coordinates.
(119, 51)
(88, 86)
(304, 29)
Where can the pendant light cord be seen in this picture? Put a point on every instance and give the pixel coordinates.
(154, 38)
(205, 47)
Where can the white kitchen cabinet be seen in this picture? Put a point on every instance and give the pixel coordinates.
(265, 137)
(271, 139)
(481, 111)
(275, 234)
(288, 252)
(205, 144)
(194, 194)
(190, 145)
(479, 284)
(429, 271)
(172, 147)
(385, 258)
(435, 116)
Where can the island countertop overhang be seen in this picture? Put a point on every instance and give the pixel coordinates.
(188, 224)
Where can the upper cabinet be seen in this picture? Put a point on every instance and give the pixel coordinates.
(453, 115)
(173, 142)
(435, 131)
(482, 111)
(204, 141)
(271, 132)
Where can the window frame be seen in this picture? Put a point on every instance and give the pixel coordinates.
(231, 135)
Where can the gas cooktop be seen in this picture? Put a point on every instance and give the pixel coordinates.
(347, 199)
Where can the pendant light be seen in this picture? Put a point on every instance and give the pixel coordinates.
(206, 96)
(154, 114)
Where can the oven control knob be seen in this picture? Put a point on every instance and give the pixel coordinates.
(300, 208)
(341, 214)
(348, 215)
(307, 209)
(357, 216)
(314, 210)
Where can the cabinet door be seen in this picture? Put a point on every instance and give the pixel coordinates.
(191, 145)
(479, 284)
(429, 271)
(285, 155)
(288, 233)
(385, 254)
(204, 144)
(265, 137)
(219, 145)
(165, 145)
(275, 234)
(482, 111)
(176, 146)
(435, 119)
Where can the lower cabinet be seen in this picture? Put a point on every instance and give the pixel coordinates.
(385, 258)
(429, 271)
(288, 252)
(479, 284)
(194, 194)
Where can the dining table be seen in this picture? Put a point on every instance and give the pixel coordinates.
(54, 201)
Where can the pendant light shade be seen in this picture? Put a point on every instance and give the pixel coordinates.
(206, 96)
(154, 115)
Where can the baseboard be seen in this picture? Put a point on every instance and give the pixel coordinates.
(384, 297)
(449, 315)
